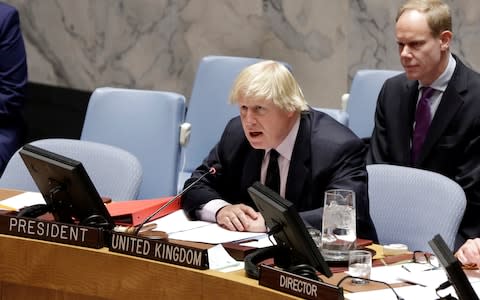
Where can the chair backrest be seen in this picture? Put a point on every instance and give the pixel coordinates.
(366, 86)
(208, 108)
(115, 172)
(410, 206)
(146, 123)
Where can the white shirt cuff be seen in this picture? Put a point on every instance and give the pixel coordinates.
(209, 211)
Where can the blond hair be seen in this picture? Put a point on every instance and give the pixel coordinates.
(269, 80)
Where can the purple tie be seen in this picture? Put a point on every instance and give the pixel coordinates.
(422, 122)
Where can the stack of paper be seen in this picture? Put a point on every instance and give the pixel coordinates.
(179, 227)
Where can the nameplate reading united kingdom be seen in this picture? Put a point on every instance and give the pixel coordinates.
(159, 250)
(52, 231)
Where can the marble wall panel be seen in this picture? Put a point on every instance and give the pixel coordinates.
(157, 44)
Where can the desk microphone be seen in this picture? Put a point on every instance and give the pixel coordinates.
(212, 171)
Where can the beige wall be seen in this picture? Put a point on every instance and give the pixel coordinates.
(156, 44)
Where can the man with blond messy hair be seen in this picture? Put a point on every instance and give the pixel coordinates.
(314, 152)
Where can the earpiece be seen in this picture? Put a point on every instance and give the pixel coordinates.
(33, 211)
(281, 256)
(304, 270)
(278, 253)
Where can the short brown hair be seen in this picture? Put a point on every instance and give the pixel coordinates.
(437, 13)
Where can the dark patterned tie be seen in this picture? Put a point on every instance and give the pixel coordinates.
(422, 122)
(272, 179)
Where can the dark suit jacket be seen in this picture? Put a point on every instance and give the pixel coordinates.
(326, 155)
(452, 145)
(13, 81)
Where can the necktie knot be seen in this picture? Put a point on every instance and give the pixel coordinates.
(427, 92)
(274, 155)
(272, 179)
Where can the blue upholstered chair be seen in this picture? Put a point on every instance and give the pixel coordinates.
(362, 100)
(147, 124)
(116, 173)
(410, 206)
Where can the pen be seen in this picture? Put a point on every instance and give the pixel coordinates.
(405, 268)
(414, 283)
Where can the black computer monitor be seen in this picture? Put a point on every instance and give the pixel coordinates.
(452, 266)
(66, 187)
(288, 228)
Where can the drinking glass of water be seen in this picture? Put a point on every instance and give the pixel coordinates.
(359, 265)
(339, 231)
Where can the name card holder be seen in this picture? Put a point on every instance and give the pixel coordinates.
(159, 250)
(52, 231)
(299, 286)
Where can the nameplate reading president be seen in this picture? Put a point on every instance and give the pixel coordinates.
(52, 231)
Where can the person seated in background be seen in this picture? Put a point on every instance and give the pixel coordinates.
(429, 116)
(315, 153)
(13, 81)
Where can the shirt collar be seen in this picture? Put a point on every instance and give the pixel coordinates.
(441, 83)
(285, 148)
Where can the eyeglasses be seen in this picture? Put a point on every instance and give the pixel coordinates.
(421, 257)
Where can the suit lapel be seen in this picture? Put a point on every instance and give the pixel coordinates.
(450, 103)
(297, 173)
(252, 167)
(407, 108)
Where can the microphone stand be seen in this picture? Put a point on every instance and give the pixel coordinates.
(211, 171)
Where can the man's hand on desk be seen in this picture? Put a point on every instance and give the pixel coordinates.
(240, 217)
(257, 225)
(469, 253)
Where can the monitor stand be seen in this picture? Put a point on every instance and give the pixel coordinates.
(37, 210)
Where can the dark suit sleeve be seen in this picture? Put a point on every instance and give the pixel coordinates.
(338, 162)
(13, 65)
(227, 157)
(378, 149)
(350, 173)
(468, 177)
(13, 80)
(204, 190)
